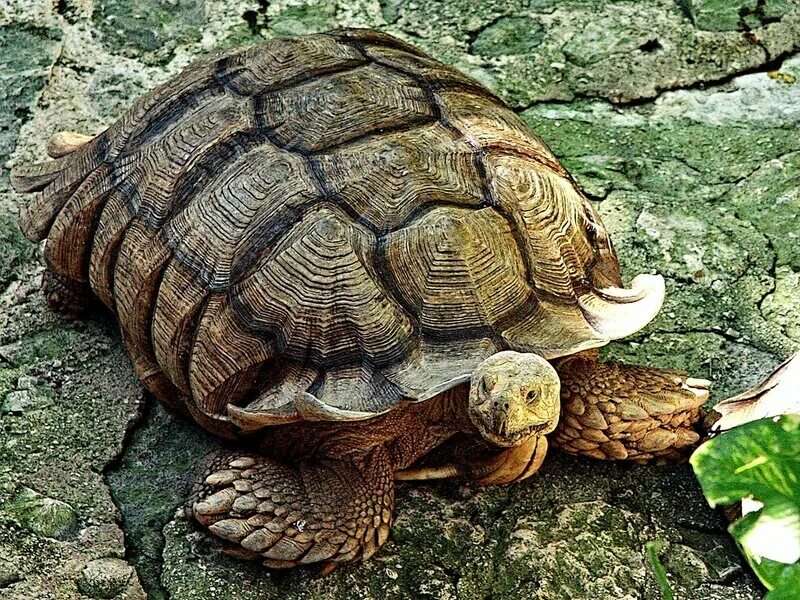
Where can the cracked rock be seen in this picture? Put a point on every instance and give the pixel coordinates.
(16, 402)
(105, 578)
(8, 573)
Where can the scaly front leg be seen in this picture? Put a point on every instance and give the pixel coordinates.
(615, 411)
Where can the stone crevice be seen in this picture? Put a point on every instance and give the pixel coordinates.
(134, 425)
(139, 424)
(769, 64)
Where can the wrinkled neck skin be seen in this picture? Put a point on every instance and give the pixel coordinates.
(408, 432)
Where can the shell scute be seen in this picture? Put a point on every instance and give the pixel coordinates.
(386, 179)
(316, 295)
(334, 109)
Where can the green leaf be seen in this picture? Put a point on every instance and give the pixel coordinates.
(788, 584)
(772, 532)
(653, 548)
(759, 460)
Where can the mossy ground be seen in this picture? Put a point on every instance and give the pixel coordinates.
(679, 119)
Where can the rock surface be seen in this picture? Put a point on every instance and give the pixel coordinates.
(678, 118)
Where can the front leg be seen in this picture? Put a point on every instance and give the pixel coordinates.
(326, 511)
(615, 411)
(485, 465)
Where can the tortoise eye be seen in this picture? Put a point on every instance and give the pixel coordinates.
(531, 395)
(484, 386)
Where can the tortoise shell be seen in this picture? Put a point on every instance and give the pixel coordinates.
(323, 226)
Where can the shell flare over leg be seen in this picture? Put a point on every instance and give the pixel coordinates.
(618, 312)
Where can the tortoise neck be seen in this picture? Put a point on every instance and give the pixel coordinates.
(421, 427)
(450, 408)
(408, 432)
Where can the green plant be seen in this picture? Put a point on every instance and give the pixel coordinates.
(653, 548)
(760, 461)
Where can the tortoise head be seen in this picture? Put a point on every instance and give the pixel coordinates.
(514, 397)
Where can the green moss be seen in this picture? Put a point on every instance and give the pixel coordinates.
(42, 515)
(770, 200)
(151, 29)
(509, 35)
(710, 207)
(26, 53)
(775, 9)
(151, 481)
(720, 15)
(239, 35)
(310, 17)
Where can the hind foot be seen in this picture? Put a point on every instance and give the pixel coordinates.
(66, 296)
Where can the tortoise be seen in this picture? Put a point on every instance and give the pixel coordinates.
(340, 253)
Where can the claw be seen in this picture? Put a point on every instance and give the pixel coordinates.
(700, 392)
(698, 383)
(232, 530)
(222, 478)
(216, 503)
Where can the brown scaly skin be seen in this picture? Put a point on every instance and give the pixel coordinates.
(321, 492)
(326, 492)
(67, 297)
(616, 412)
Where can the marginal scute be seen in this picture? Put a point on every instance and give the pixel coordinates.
(178, 307)
(274, 404)
(435, 366)
(548, 210)
(142, 259)
(67, 245)
(115, 216)
(226, 360)
(358, 388)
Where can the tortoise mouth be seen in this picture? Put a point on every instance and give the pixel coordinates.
(509, 440)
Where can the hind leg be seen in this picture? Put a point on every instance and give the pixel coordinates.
(615, 411)
(325, 511)
(66, 296)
